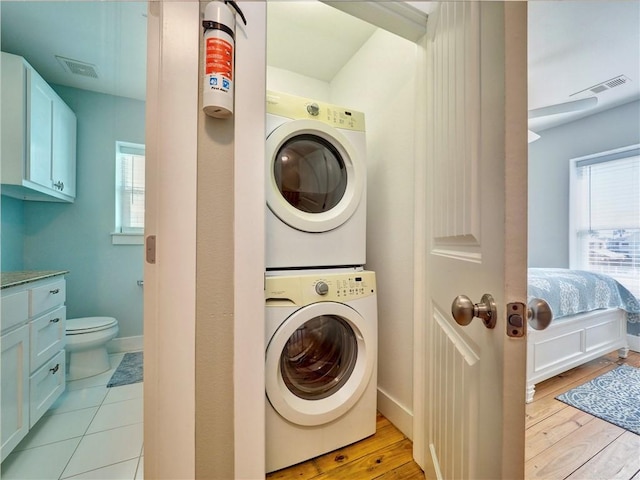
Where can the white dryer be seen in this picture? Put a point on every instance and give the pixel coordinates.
(315, 184)
(321, 363)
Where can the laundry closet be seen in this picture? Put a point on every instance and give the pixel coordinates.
(379, 80)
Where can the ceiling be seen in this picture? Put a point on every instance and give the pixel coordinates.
(108, 36)
(573, 45)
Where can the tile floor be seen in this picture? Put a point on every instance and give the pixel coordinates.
(91, 432)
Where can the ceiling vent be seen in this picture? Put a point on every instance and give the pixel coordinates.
(76, 67)
(606, 85)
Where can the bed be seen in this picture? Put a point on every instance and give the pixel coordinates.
(590, 313)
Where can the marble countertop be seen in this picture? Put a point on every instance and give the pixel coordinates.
(11, 279)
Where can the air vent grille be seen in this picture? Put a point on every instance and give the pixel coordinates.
(606, 85)
(76, 67)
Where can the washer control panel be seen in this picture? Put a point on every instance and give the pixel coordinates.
(299, 108)
(306, 289)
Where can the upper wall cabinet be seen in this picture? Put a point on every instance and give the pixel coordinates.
(38, 136)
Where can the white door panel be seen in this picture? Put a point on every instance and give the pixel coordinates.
(476, 196)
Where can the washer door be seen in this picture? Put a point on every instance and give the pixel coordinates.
(314, 176)
(319, 363)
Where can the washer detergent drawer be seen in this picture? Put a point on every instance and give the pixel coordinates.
(45, 386)
(47, 335)
(46, 297)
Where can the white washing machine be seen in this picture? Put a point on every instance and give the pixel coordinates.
(321, 363)
(315, 184)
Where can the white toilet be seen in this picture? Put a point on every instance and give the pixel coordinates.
(87, 339)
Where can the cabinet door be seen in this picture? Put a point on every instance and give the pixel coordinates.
(45, 386)
(40, 111)
(15, 384)
(46, 336)
(64, 149)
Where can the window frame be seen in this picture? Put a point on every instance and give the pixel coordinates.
(574, 204)
(119, 236)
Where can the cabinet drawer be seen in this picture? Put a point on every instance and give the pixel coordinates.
(47, 336)
(15, 394)
(45, 386)
(14, 309)
(46, 297)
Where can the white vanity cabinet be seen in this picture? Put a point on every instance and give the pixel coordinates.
(15, 388)
(38, 136)
(33, 356)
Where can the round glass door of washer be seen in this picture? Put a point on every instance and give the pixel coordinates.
(315, 179)
(318, 365)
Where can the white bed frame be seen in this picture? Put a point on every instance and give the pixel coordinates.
(572, 341)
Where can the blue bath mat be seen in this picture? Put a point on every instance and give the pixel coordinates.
(613, 396)
(129, 371)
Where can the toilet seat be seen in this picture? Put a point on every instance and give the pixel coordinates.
(77, 326)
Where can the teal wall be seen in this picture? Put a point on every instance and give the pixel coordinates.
(12, 234)
(77, 237)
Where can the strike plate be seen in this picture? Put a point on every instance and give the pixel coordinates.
(151, 249)
(516, 318)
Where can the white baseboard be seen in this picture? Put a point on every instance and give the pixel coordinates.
(396, 413)
(125, 344)
(634, 342)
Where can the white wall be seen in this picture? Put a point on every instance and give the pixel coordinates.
(380, 81)
(549, 175)
(286, 81)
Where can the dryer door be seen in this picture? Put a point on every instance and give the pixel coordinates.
(319, 362)
(314, 176)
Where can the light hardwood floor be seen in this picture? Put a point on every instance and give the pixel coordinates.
(561, 442)
(385, 455)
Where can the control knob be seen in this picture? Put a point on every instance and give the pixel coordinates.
(313, 109)
(322, 288)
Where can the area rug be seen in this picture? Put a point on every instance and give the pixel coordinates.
(129, 371)
(613, 396)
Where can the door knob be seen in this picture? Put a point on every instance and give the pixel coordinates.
(463, 310)
(539, 314)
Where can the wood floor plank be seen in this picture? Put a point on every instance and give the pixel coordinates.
(301, 471)
(620, 460)
(387, 435)
(554, 429)
(558, 463)
(550, 386)
(541, 409)
(374, 464)
(408, 471)
(547, 405)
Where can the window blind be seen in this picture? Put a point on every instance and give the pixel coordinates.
(607, 209)
(130, 189)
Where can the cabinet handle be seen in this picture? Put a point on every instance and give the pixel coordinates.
(54, 320)
(53, 292)
(55, 369)
(59, 185)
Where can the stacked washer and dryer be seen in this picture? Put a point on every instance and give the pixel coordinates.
(321, 305)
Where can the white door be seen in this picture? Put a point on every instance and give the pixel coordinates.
(475, 232)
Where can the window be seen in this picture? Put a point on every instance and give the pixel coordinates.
(605, 216)
(129, 192)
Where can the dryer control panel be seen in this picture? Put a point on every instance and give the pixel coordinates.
(330, 287)
(299, 108)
